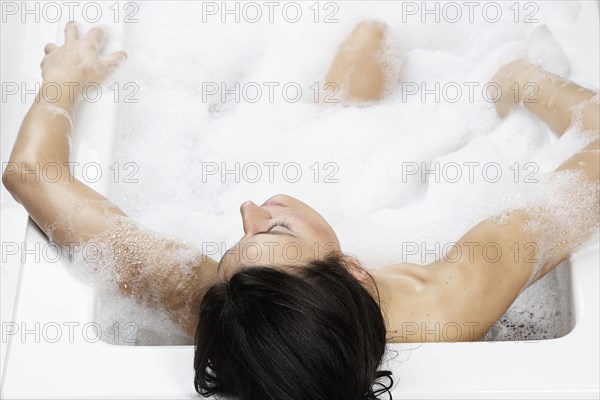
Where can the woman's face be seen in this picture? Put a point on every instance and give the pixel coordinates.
(283, 231)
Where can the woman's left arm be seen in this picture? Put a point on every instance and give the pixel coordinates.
(527, 244)
(481, 276)
(156, 270)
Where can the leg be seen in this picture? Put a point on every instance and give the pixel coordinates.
(358, 69)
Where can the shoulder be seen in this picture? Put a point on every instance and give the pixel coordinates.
(465, 292)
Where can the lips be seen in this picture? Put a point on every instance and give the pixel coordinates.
(271, 203)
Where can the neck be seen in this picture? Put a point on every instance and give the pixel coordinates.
(382, 290)
(400, 288)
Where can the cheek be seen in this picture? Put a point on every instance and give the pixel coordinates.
(313, 226)
(321, 230)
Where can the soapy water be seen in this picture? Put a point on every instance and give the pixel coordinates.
(357, 164)
(542, 311)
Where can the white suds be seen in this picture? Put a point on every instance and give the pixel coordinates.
(62, 112)
(365, 157)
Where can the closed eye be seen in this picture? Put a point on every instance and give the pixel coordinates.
(283, 224)
(287, 229)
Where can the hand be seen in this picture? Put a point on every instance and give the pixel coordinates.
(78, 60)
(520, 72)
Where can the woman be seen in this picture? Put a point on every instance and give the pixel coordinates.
(315, 327)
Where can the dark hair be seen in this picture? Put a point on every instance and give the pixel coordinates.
(269, 334)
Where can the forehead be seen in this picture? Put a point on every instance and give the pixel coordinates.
(266, 250)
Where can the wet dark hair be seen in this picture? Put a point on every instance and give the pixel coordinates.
(314, 334)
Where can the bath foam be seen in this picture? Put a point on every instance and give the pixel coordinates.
(545, 52)
(565, 211)
(538, 313)
(392, 58)
(371, 207)
(124, 321)
(62, 112)
(580, 115)
(131, 308)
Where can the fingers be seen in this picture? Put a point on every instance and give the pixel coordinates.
(71, 32)
(96, 37)
(49, 47)
(115, 60)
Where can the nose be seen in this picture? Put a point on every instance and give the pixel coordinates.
(254, 218)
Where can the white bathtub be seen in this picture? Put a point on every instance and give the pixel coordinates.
(60, 356)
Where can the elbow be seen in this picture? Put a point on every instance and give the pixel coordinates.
(10, 178)
(16, 176)
(11, 181)
(591, 115)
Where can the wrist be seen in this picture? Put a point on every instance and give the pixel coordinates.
(59, 92)
(527, 73)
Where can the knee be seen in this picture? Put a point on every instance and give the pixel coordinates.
(369, 31)
(357, 67)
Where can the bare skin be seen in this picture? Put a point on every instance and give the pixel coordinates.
(412, 297)
(357, 68)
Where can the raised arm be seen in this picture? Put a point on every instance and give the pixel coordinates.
(158, 271)
(44, 140)
(475, 288)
